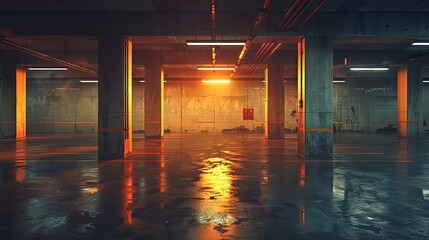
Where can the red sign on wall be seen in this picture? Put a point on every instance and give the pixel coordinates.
(248, 114)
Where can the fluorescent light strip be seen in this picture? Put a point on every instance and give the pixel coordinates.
(369, 69)
(339, 81)
(420, 44)
(426, 81)
(216, 81)
(214, 43)
(215, 68)
(88, 81)
(47, 69)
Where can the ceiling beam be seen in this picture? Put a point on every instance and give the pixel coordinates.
(346, 24)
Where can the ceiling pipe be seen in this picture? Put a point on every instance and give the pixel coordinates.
(264, 45)
(270, 45)
(297, 15)
(316, 9)
(272, 51)
(266, 8)
(44, 56)
(263, 50)
(213, 15)
(287, 14)
(213, 30)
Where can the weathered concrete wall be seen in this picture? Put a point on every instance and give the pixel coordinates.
(200, 107)
(138, 106)
(425, 106)
(70, 106)
(365, 105)
(291, 106)
(426, 100)
(61, 106)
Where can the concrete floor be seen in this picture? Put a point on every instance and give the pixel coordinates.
(214, 186)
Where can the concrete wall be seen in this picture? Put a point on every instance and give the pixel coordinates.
(291, 106)
(201, 107)
(55, 106)
(59, 106)
(71, 106)
(365, 105)
(426, 104)
(138, 106)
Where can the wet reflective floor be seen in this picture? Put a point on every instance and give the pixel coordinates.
(214, 186)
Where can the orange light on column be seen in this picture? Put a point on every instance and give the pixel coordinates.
(21, 103)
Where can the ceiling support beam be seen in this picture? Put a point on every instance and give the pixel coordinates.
(337, 24)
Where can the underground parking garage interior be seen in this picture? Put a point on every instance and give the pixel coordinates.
(214, 119)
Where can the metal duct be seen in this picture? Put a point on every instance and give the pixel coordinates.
(213, 29)
(321, 3)
(293, 14)
(266, 8)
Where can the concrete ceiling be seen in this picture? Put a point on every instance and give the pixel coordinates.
(63, 45)
(201, 5)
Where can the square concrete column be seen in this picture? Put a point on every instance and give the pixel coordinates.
(13, 95)
(410, 102)
(115, 97)
(274, 105)
(154, 98)
(315, 64)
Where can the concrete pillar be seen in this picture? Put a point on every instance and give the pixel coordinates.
(13, 101)
(115, 97)
(154, 99)
(315, 64)
(275, 105)
(410, 102)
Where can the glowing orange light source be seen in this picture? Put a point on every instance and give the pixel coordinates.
(216, 81)
(219, 68)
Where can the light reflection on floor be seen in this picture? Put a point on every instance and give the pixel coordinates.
(214, 186)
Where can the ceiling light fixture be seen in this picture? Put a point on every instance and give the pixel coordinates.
(426, 81)
(47, 68)
(216, 81)
(369, 69)
(420, 44)
(88, 81)
(214, 43)
(339, 81)
(214, 68)
(142, 81)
